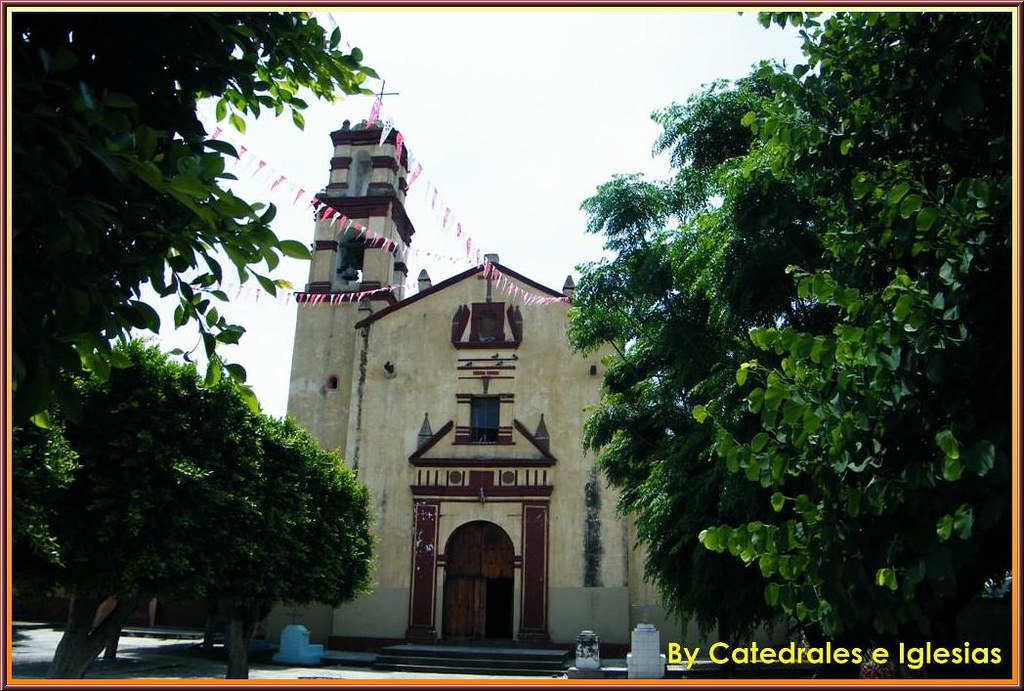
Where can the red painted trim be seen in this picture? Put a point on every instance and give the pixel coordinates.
(533, 616)
(424, 553)
(481, 479)
(528, 281)
(478, 311)
(490, 500)
(456, 279)
(402, 222)
(369, 136)
(445, 429)
(462, 433)
(522, 491)
(371, 205)
(489, 345)
(478, 462)
(532, 439)
(380, 188)
(356, 207)
(515, 323)
(384, 162)
(463, 436)
(500, 360)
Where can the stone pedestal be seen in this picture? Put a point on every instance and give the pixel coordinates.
(296, 649)
(645, 661)
(588, 651)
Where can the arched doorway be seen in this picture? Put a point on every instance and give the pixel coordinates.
(478, 582)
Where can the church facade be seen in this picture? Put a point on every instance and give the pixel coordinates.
(461, 408)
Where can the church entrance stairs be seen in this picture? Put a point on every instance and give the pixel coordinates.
(489, 658)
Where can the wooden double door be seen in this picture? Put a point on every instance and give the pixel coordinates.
(478, 583)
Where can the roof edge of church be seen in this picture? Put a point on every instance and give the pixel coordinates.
(451, 281)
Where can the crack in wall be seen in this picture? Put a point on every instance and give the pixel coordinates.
(363, 357)
(382, 507)
(625, 551)
(592, 548)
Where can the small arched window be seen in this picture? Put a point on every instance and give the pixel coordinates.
(332, 383)
(359, 175)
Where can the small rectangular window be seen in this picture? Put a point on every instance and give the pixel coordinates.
(484, 420)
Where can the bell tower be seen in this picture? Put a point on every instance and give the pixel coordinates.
(360, 241)
(367, 187)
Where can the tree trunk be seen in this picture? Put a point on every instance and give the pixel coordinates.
(82, 642)
(240, 629)
(110, 652)
(210, 628)
(727, 669)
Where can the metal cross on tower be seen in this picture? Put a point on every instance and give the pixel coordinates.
(382, 94)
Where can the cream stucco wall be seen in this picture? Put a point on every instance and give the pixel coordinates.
(549, 380)
(385, 410)
(374, 417)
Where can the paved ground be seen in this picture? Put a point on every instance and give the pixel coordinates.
(165, 657)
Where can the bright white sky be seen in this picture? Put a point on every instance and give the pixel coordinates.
(516, 116)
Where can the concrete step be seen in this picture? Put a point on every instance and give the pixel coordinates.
(447, 669)
(472, 660)
(477, 663)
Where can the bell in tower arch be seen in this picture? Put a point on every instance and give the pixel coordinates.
(351, 255)
(367, 188)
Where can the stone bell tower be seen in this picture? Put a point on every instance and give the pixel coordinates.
(361, 238)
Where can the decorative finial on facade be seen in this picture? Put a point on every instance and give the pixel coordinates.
(541, 435)
(425, 432)
(569, 287)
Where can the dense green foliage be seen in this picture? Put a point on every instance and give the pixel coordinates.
(672, 304)
(172, 489)
(116, 184)
(839, 323)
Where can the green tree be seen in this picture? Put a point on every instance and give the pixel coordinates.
(830, 296)
(116, 184)
(675, 302)
(306, 537)
(178, 490)
(886, 437)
